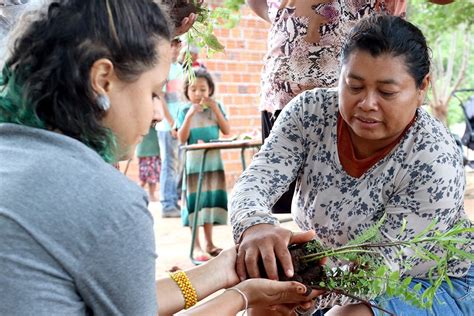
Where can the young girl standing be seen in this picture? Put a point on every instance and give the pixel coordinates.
(199, 121)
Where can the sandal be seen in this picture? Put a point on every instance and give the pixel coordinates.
(215, 252)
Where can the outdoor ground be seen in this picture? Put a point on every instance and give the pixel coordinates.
(174, 240)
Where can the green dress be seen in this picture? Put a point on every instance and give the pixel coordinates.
(149, 146)
(213, 199)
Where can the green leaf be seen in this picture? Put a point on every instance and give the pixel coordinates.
(404, 226)
(417, 287)
(212, 41)
(377, 286)
(407, 281)
(380, 272)
(370, 233)
(448, 280)
(390, 291)
(427, 230)
(234, 4)
(394, 276)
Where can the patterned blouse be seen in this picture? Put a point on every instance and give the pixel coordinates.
(420, 180)
(304, 44)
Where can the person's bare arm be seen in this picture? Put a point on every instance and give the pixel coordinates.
(183, 131)
(280, 296)
(166, 111)
(260, 8)
(206, 279)
(219, 274)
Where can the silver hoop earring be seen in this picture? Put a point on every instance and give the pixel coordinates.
(103, 102)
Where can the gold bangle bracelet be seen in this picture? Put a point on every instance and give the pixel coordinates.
(187, 289)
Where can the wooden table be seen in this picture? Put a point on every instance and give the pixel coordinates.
(222, 145)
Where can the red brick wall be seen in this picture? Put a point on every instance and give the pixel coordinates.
(237, 76)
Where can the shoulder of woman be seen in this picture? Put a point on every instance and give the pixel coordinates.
(433, 141)
(431, 125)
(318, 100)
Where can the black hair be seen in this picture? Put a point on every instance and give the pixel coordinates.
(199, 73)
(386, 34)
(46, 80)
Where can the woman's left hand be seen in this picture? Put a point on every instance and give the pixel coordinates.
(283, 296)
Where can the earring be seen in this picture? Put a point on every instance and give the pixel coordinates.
(103, 102)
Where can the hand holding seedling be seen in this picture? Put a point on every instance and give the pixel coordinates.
(185, 25)
(267, 243)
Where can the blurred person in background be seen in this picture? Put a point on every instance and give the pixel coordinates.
(168, 136)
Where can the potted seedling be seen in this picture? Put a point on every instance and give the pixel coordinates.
(364, 275)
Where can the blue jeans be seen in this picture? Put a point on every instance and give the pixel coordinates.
(458, 301)
(169, 166)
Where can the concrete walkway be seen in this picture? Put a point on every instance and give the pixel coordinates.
(173, 240)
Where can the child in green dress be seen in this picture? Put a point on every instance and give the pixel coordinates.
(199, 121)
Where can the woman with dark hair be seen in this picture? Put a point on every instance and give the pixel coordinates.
(359, 153)
(76, 94)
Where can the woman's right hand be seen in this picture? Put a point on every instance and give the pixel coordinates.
(278, 295)
(268, 243)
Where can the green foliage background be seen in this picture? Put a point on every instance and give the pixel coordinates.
(439, 23)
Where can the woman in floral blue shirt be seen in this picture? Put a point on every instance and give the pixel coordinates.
(358, 153)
